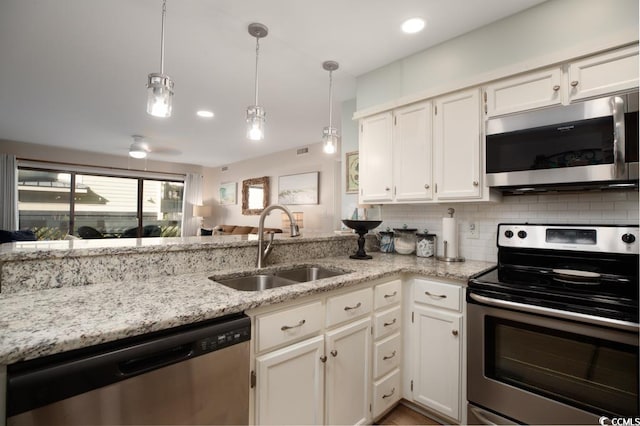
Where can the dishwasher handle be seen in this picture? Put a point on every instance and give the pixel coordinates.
(138, 365)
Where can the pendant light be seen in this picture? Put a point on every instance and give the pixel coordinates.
(255, 113)
(160, 85)
(330, 133)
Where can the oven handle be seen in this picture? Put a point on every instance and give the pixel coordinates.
(591, 319)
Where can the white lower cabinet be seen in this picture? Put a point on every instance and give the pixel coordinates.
(435, 340)
(348, 368)
(437, 337)
(290, 385)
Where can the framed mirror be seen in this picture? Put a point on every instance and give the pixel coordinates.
(255, 195)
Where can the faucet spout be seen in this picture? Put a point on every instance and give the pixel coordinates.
(264, 252)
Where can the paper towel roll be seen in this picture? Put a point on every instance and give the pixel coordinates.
(450, 235)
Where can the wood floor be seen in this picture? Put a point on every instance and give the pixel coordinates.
(402, 415)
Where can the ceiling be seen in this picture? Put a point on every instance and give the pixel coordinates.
(73, 72)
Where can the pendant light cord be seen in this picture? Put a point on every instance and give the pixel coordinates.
(330, 96)
(164, 12)
(257, 54)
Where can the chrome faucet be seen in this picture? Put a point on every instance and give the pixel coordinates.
(263, 253)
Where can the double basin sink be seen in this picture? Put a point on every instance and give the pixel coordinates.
(281, 278)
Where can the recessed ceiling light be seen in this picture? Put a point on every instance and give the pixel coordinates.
(205, 114)
(413, 25)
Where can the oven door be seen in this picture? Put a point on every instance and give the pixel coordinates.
(544, 370)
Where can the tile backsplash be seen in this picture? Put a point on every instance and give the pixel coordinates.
(615, 207)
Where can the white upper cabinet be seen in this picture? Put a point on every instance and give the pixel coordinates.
(603, 74)
(412, 155)
(376, 150)
(533, 90)
(457, 145)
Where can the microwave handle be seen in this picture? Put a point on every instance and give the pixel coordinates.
(617, 110)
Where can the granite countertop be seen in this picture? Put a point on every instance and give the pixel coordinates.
(50, 321)
(26, 250)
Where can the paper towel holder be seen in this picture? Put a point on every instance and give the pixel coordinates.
(445, 257)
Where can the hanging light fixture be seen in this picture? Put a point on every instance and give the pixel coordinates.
(139, 148)
(330, 133)
(160, 85)
(255, 113)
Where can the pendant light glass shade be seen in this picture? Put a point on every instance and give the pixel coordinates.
(255, 113)
(159, 95)
(160, 85)
(329, 133)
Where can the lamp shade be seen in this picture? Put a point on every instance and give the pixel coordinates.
(202, 211)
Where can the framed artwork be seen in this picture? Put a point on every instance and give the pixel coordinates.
(228, 193)
(353, 176)
(298, 189)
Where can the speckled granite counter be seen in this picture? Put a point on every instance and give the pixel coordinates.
(39, 323)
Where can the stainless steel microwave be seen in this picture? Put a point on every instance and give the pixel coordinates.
(587, 144)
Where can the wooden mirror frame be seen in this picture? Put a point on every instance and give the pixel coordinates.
(245, 195)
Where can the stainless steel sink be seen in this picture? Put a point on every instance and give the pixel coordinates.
(282, 278)
(255, 282)
(308, 273)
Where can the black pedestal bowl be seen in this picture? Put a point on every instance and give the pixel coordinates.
(361, 227)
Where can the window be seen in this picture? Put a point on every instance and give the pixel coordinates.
(55, 204)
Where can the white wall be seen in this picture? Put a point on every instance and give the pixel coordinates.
(320, 217)
(614, 208)
(556, 28)
(349, 143)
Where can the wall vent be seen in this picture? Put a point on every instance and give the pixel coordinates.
(224, 168)
(302, 151)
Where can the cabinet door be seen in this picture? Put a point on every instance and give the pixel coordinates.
(412, 157)
(604, 74)
(525, 92)
(290, 384)
(457, 146)
(348, 374)
(437, 339)
(375, 167)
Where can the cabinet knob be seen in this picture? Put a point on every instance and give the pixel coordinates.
(426, 186)
(387, 189)
(334, 353)
(323, 358)
(574, 83)
(475, 183)
(556, 88)
(454, 332)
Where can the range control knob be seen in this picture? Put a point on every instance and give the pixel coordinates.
(508, 233)
(522, 234)
(628, 238)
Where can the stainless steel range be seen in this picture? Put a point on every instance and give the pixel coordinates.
(553, 329)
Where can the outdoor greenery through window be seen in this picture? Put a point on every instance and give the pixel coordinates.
(55, 204)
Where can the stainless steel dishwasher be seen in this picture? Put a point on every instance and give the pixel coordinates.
(195, 374)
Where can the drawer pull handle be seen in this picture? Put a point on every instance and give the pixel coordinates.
(334, 353)
(386, 296)
(323, 358)
(386, 357)
(389, 394)
(439, 296)
(289, 327)
(387, 324)
(348, 308)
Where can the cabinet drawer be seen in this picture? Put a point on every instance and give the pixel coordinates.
(287, 326)
(437, 294)
(386, 322)
(387, 294)
(386, 392)
(386, 355)
(349, 306)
